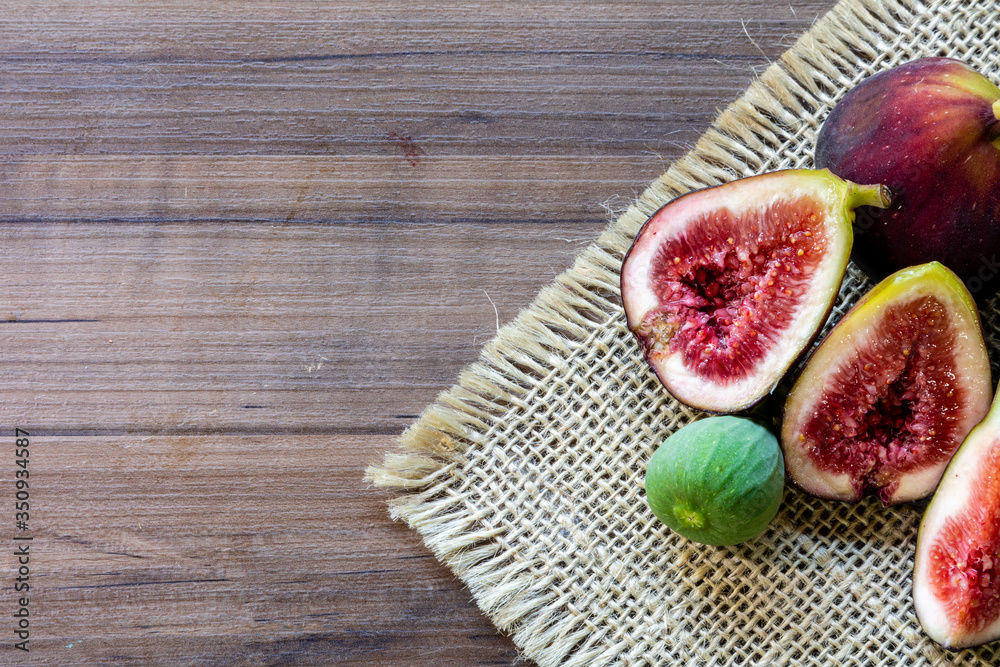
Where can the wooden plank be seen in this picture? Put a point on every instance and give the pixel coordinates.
(209, 328)
(159, 549)
(301, 29)
(305, 188)
(364, 113)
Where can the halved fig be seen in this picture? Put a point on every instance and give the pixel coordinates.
(890, 393)
(956, 574)
(725, 287)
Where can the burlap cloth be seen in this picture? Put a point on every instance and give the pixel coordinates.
(526, 478)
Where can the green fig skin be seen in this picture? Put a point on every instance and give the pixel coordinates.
(717, 481)
(930, 131)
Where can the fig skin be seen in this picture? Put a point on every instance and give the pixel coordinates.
(930, 130)
(717, 481)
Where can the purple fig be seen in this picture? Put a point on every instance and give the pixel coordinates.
(930, 130)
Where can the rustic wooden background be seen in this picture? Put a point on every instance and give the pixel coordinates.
(244, 244)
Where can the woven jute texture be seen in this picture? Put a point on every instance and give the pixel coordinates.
(526, 477)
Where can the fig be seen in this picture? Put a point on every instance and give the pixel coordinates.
(890, 393)
(956, 573)
(717, 481)
(724, 288)
(930, 130)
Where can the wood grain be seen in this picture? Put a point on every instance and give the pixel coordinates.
(237, 550)
(245, 244)
(179, 328)
(389, 111)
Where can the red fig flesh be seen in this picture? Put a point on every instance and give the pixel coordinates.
(956, 576)
(930, 130)
(891, 392)
(725, 287)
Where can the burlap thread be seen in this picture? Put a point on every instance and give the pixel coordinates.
(526, 477)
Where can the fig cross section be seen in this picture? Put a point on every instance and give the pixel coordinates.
(891, 392)
(725, 287)
(956, 576)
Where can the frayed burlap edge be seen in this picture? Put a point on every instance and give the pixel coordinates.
(569, 312)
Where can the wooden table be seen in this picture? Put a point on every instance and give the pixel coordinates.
(245, 244)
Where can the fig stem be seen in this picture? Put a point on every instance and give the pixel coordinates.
(878, 196)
